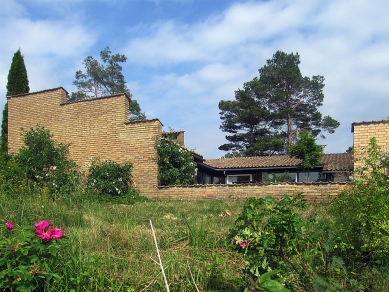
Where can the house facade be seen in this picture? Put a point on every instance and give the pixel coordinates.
(100, 128)
(332, 168)
(96, 128)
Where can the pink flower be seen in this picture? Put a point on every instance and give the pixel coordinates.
(55, 233)
(42, 231)
(233, 241)
(9, 225)
(44, 224)
(243, 243)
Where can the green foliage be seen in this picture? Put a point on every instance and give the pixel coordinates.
(27, 262)
(17, 76)
(265, 283)
(362, 211)
(175, 163)
(276, 177)
(45, 162)
(17, 84)
(267, 114)
(267, 231)
(104, 79)
(307, 150)
(4, 132)
(110, 179)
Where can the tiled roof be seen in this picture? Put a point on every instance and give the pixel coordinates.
(338, 161)
(334, 162)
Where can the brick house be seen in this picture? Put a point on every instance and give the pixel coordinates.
(101, 128)
(93, 128)
(333, 167)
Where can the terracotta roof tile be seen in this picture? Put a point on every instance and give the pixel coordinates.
(338, 161)
(335, 162)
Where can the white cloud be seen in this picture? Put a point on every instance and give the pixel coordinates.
(186, 68)
(345, 42)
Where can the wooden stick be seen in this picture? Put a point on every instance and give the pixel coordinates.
(159, 258)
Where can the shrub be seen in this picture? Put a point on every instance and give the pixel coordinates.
(175, 163)
(28, 256)
(44, 161)
(109, 178)
(362, 212)
(272, 235)
(267, 232)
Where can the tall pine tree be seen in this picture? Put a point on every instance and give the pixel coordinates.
(268, 115)
(17, 84)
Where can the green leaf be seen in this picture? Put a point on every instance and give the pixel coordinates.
(273, 286)
(266, 276)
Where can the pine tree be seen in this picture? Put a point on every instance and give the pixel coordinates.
(104, 79)
(17, 84)
(267, 116)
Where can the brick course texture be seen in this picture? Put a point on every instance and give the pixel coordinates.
(313, 192)
(363, 132)
(100, 128)
(93, 128)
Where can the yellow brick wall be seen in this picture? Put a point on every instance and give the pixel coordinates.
(93, 128)
(313, 192)
(363, 132)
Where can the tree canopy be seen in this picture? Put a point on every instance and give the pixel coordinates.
(17, 84)
(307, 150)
(270, 111)
(104, 79)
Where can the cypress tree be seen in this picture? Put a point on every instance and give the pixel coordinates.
(17, 84)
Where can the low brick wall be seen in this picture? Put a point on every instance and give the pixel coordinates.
(314, 192)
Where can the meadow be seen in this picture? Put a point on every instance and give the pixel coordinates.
(64, 230)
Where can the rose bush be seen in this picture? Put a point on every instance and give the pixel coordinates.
(27, 258)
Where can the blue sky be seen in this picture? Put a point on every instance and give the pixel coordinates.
(184, 56)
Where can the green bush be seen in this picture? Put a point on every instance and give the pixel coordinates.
(361, 212)
(175, 163)
(273, 235)
(44, 161)
(109, 178)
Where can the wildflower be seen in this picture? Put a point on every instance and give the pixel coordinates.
(9, 225)
(42, 231)
(243, 243)
(233, 241)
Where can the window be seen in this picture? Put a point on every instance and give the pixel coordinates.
(238, 178)
(279, 177)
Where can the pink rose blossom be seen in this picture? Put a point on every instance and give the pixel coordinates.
(55, 233)
(44, 224)
(243, 243)
(9, 225)
(42, 231)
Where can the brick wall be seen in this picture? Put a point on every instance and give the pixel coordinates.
(363, 132)
(93, 128)
(314, 192)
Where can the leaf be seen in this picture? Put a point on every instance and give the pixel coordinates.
(266, 276)
(273, 286)
(337, 261)
(321, 283)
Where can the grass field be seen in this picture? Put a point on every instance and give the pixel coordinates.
(110, 247)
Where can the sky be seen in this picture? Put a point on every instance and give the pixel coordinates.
(185, 56)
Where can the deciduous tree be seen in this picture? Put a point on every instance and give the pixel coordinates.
(307, 150)
(104, 79)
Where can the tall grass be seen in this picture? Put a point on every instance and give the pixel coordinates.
(109, 247)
